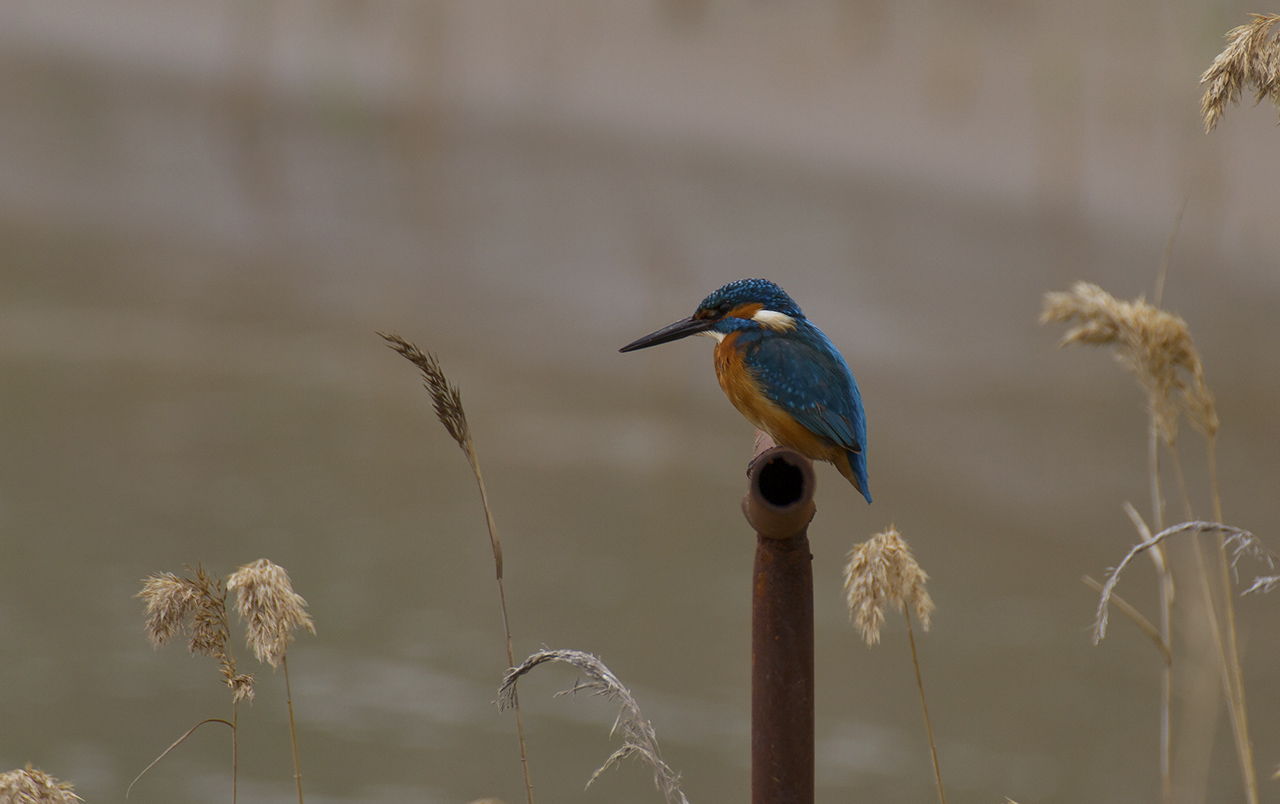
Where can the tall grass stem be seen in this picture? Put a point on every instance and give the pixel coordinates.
(928, 727)
(293, 730)
(447, 401)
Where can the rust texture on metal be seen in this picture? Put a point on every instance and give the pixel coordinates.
(779, 505)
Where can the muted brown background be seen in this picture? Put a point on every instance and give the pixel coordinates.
(207, 209)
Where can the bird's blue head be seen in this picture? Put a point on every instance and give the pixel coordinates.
(742, 304)
(745, 297)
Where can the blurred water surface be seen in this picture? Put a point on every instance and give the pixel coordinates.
(190, 289)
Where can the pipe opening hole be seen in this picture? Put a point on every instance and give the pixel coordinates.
(781, 483)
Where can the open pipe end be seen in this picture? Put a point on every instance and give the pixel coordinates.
(781, 483)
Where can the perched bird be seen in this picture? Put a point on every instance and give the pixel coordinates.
(780, 372)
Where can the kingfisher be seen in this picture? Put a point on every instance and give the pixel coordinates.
(781, 372)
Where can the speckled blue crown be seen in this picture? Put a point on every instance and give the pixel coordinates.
(751, 291)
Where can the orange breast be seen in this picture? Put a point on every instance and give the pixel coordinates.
(743, 390)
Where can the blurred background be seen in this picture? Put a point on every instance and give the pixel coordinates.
(207, 210)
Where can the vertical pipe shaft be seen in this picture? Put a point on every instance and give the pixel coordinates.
(779, 505)
(782, 673)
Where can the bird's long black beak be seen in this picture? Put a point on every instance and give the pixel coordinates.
(681, 329)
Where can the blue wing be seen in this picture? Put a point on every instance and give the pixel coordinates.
(802, 372)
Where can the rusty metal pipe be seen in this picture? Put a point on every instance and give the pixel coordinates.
(779, 505)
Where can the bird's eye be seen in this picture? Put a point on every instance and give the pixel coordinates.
(723, 308)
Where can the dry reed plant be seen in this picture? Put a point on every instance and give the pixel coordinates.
(1155, 346)
(1251, 60)
(265, 600)
(882, 571)
(638, 737)
(34, 786)
(447, 401)
(197, 606)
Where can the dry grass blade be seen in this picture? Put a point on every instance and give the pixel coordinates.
(1153, 344)
(34, 786)
(166, 751)
(1250, 60)
(638, 736)
(1243, 538)
(265, 600)
(883, 571)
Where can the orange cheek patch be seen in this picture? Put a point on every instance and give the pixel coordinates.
(746, 311)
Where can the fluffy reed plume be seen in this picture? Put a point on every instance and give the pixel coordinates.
(265, 600)
(1251, 60)
(1153, 344)
(638, 737)
(33, 786)
(197, 605)
(883, 571)
(447, 401)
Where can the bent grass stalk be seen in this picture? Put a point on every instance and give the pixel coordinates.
(883, 571)
(1246, 542)
(174, 745)
(639, 739)
(447, 402)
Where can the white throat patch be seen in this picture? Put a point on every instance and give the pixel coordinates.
(772, 319)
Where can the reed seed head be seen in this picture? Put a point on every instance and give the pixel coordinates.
(34, 786)
(444, 396)
(265, 600)
(170, 600)
(883, 571)
(1153, 344)
(1251, 60)
(198, 606)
